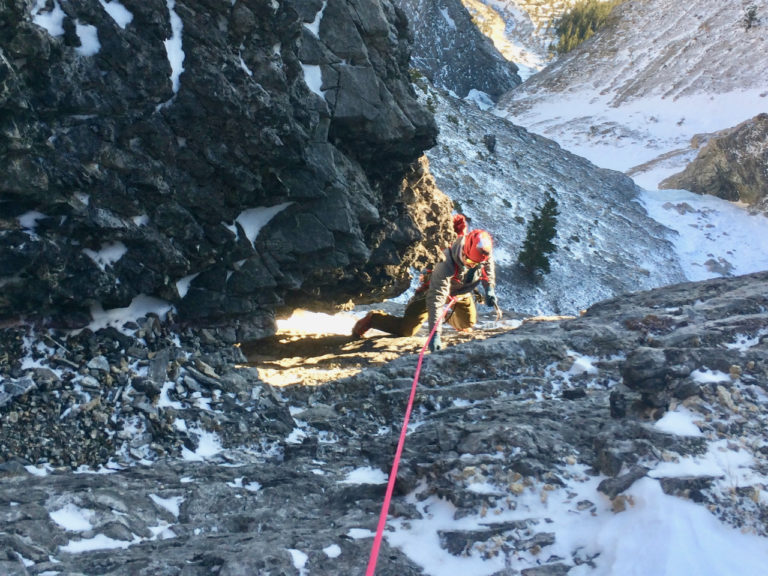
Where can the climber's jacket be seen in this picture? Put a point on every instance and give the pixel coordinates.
(451, 277)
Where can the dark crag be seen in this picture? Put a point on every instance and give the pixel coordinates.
(115, 185)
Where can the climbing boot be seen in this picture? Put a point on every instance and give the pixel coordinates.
(363, 325)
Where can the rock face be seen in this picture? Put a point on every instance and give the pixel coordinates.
(453, 53)
(231, 158)
(733, 165)
(212, 470)
(499, 174)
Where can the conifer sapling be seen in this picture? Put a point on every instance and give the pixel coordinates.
(538, 244)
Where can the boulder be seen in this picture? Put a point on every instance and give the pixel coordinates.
(732, 165)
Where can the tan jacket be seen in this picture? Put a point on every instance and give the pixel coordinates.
(451, 277)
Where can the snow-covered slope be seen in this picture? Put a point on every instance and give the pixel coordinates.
(632, 97)
(607, 243)
(664, 48)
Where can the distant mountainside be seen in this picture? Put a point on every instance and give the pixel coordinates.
(450, 50)
(521, 30)
(635, 56)
(660, 47)
(656, 76)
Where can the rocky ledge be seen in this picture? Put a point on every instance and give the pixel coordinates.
(730, 164)
(177, 459)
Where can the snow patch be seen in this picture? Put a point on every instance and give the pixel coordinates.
(98, 542)
(119, 13)
(28, 221)
(89, 39)
(107, 255)
(52, 21)
(173, 46)
(679, 422)
(182, 286)
(171, 504)
(705, 376)
(332, 551)
(139, 307)
(254, 219)
(314, 26)
(208, 446)
(365, 475)
(299, 560)
(73, 518)
(313, 78)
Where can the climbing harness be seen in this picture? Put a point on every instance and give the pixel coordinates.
(396, 462)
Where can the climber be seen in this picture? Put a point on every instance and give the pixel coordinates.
(467, 263)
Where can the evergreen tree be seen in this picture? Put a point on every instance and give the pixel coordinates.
(581, 22)
(538, 244)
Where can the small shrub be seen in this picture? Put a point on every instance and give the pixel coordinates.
(490, 142)
(750, 17)
(418, 80)
(651, 324)
(416, 75)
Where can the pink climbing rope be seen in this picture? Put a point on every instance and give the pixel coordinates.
(396, 463)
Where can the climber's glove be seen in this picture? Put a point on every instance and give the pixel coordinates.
(435, 343)
(490, 298)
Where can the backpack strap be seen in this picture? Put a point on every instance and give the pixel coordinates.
(484, 274)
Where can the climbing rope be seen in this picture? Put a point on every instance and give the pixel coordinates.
(396, 463)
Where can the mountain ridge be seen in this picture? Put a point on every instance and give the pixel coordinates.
(651, 80)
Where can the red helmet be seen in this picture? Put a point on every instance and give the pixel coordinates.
(478, 246)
